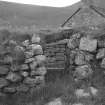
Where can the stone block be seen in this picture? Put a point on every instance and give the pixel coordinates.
(39, 71)
(35, 39)
(100, 54)
(24, 67)
(29, 54)
(3, 70)
(82, 72)
(13, 77)
(9, 89)
(33, 65)
(22, 88)
(30, 60)
(40, 59)
(88, 44)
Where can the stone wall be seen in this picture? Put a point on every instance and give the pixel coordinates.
(22, 66)
(85, 54)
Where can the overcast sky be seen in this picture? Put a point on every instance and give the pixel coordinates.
(53, 3)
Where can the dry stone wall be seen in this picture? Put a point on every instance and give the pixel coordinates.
(85, 53)
(22, 66)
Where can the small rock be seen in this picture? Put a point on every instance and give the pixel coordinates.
(88, 44)
(33, 81)
(39, 71)
(8, 59)
(25, 43)
(22, 88)
(37, 49)
(3, 70)
(93, 91)
(35, 39)
(24, 73)
(80, 59)
(9, 90)
(40, 79)
(103, 63)
(29, 54)
(15, 67)
(80, 93)
(30, 60)
(13, 77)
(73, 42)
(40, 59)
(3, 82)
(82, 72)
(100, 54)
(33, 65)
(57, 101)
(88, 57)
(24, 67)
(30, 81)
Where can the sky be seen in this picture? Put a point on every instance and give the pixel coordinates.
(52, 3)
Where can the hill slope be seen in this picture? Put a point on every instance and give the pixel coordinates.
(26, 15)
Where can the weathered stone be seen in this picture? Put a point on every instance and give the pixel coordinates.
(9, 89)
(24, 73)
(33, 81)
(89, 57)
(39, 71)
(37, 49)
(82, 72)
(57, 101)
(3, 82)
(13, 77)
(80, 59)
(24, 67)
(15, 67)
(29, 54)
(25, 43)
(80, 93)
(30, 60)
(40, 79)
(33, 65)
(88, 44)
(22, 88)
(8, 59)
(73, 43)
(30, 81)
(93, 91)
(35, 39)
(3, 70)
(40, 59)
(103, 63)
(100, 54)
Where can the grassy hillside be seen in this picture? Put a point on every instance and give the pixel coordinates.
(26, 15)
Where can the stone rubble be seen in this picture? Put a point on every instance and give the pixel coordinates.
(23, 67)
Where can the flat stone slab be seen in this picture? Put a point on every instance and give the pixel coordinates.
(88, 44)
